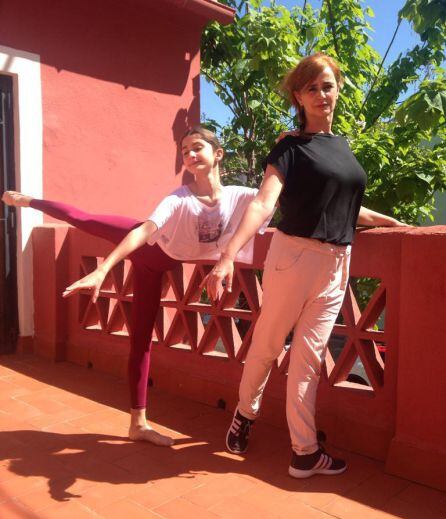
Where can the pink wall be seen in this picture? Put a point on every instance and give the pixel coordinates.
(120, 83)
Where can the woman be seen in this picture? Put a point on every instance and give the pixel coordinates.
(192, 223)
(319, 186)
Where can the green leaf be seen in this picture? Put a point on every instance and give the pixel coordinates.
(425, 178)
(312, 33)
(253, 104)
(443, 101)
(436, 102)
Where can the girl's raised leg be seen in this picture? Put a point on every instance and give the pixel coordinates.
(149, 264)
(109, 227)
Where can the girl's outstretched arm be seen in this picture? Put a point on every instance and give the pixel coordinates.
(130, 243)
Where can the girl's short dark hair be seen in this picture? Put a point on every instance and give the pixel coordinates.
(205, 134)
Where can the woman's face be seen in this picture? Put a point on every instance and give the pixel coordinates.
(318, 97)
(198, 155)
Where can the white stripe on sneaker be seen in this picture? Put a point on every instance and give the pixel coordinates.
(327, 462)
(330, 462)
(320, 462)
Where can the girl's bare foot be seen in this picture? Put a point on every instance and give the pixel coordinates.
(146, 433)
(16, 199)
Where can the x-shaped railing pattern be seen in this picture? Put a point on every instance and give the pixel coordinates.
(362, 339)
(189, 320)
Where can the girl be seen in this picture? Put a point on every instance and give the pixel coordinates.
(194, 222)
(319, 186)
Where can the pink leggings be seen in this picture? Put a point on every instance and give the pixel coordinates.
(149, 263)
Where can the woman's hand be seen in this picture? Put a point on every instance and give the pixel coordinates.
(222, 271)
(292, 133)
(396, 223)
(92, 281)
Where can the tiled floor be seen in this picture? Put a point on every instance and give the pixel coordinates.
(64, 454)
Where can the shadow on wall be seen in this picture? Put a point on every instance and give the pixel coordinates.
(184, 120)
(139, 45)
(142, 45)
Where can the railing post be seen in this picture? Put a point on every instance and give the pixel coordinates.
(50, 273)
(418, 449)
(355, 419)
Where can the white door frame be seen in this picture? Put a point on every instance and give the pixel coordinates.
(24, 67)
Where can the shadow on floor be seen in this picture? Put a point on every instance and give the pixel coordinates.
(198, 456)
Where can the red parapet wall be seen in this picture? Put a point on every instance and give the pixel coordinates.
(382, 387)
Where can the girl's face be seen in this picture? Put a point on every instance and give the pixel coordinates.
(198, 155)
(318, 97)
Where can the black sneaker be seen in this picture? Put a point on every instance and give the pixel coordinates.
(238, 434)
(319, 462)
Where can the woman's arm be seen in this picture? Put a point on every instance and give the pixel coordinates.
(256, 213)
(130, 243)
(371, 218)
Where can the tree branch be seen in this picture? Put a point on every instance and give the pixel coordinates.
(390, 101)
(302, 16)
(332, 28)
(377, 116)
(225, 90)
(379, 69)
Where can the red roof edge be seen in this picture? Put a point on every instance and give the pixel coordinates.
(210, 9)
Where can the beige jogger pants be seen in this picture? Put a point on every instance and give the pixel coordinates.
(304, 282)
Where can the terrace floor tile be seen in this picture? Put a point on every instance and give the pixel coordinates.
(64, 453)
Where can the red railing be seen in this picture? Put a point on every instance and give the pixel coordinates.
(199, 346)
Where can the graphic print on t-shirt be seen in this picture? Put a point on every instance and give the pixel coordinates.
(188, 230)
(210, 226)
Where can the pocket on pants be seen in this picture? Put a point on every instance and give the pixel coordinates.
(345, 273)
(287, 258)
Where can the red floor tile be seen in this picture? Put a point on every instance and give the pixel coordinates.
(18, 409)
(64, 452)
(235, 508)
(128, 509)
(70, 510)
(20, 485)
(37, 499)
(185, 509)
(430, 498)
(377, 490)
(292, 508)
(268, 496)
(345, 508)
(150, 497)
(220, 488)
(13, 510)
(100, 496)
(414, 510)
(318, 491)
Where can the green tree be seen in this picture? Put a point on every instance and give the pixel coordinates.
(401, 145)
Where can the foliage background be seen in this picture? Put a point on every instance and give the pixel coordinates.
(400, 145)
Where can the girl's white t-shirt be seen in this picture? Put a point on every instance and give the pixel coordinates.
(191, 230)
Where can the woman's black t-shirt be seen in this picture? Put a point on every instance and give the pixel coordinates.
(323, 187)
